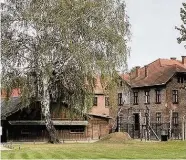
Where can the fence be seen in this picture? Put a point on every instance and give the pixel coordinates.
(140, 131)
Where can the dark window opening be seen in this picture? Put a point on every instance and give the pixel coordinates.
(147, 97)
(119, 99)
(135, 98)
(158, 117)
(158, 96)
(95, 101)
(77, 130)
(136, 121)
(121, 83)
(175, 118)
(181, 79)
(175, 96)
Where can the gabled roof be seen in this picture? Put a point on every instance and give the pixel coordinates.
(11, 106)
(159, 72)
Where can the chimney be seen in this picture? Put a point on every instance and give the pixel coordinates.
(184, 60)
(146, 70)
(173, 58)
(137, 71)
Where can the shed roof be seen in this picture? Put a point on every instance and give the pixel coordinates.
(11, 106)
(57, 123)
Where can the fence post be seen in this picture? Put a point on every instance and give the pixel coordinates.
(183, 128)
(170, 125)
(133, 129)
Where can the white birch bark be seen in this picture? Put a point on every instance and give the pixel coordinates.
(45, 105)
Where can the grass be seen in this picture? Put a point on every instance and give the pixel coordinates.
(128, 150)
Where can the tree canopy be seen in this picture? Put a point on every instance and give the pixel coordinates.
(52, 48)
(182, 28)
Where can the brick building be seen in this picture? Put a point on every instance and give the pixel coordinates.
(156, 94)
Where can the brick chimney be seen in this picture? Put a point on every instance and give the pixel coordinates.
(146, 70)
(173, 58)
(184, 60)
(137, 71)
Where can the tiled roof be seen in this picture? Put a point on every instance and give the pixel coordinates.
(15, 93)
(158, 73)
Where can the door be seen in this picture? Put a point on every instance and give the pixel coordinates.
(136, 121)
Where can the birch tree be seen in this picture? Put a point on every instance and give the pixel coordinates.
(52, 48)
(182, 28)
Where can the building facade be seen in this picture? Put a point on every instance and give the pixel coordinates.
(25, 122)
(157, 100)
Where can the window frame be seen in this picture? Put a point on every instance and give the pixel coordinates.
(158, 117)
(175, 96)
(120, 103)
(95, 101)
(80, 130)
(147, 97)
(158, 96)
(175, 116)
(136, 98)
(107, 101)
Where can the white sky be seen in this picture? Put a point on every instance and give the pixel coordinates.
(153, 30)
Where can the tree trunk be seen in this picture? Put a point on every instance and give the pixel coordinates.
(45, 105)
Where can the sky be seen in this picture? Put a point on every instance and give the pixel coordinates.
(153, 30)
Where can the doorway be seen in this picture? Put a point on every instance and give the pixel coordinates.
(136, 121)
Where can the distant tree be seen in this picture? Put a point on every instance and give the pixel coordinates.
(182, 28)
(52, 48)
(132, 69)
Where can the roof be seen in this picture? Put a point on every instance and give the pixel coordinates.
(56, 123)
(159, 72)
(14, 93)
(11, 106)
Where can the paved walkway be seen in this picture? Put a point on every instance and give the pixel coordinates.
(3, 148)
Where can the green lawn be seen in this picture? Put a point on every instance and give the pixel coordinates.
(129, 149)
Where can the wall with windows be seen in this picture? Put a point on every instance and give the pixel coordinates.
(176, 96)
(165, 103)
(124, 92)
(100, 105)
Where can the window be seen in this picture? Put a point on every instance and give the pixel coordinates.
(181, 79)
(121, 83)
(135, 97)
(175, 96)
(77, 130)
(158, 96)
(119, 99)
(147, 97)
(25, 131)
(175, 118)
(106, 101)
(158, 117)
(95, 101)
